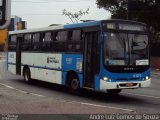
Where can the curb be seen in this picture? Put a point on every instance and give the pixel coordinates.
(2, 61)
(155, 73)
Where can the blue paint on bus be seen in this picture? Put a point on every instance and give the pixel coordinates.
(72, 62)
(64, 74)
(97, 82)
(125, 77)
(81, 25)
(80, 80)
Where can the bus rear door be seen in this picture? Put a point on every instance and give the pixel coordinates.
(18, 55)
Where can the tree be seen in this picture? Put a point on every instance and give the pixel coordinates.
(75, 17)
(147, 11)
(114, 6)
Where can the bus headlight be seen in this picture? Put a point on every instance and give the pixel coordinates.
(147, 78)
(105, 78)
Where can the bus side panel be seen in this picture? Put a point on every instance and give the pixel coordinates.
(72, 62)
(97, 83)
(80, 76)
(27, 59)
(12, 62)
(43, 66)
(81, 80)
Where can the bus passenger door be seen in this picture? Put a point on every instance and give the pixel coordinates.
(91, 54)
(18, 55)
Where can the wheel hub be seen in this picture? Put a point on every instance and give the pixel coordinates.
(74, 84)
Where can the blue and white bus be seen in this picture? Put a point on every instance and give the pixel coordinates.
(107, 55)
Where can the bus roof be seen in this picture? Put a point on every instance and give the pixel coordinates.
(67, 26)
(71, 26)
(37, 30)
(84, 24)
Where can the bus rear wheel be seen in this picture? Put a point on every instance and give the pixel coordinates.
(114, 91)
(27, 75)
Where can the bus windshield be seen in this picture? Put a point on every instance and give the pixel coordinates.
(125, 49)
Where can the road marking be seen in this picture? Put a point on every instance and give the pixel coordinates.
(155, 73)
(2, 61)
(25, 92)
(155, 76)
(141, 95)
(6, 86)
(89, 104)
(37, 95)
(96, 105)
(102, 106)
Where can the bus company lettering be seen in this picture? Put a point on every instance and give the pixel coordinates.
(52, 60)
(137, 75)
(69, 60)
(129, 69)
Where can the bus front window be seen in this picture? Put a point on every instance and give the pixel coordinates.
(125, 49)
(138, 49)
(115, 49)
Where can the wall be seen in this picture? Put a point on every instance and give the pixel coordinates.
(155, 62)
(3, 37)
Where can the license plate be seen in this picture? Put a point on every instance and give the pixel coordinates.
(129, 84)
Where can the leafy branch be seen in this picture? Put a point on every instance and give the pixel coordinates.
(75, 17)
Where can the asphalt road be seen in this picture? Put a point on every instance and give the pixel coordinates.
(138, 101)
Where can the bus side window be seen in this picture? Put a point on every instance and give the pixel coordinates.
(12, 43)
(70, 37)
(75, 45)
(77, 35)
(47, 39)
(62, 36)
(36, 43)
(61, 41)
(54, 39)
(69, 42)
(27, 42)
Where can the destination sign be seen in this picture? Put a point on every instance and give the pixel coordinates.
(128, 26)
(109, 25)
(132, 27)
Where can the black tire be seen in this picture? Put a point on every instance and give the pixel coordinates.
(114, 91)
(27, 76)
(74, 84)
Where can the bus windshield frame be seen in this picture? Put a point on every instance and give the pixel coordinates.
(133, 45)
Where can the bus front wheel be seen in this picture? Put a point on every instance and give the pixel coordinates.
(114, 91)
(74, 85)
(27, 75)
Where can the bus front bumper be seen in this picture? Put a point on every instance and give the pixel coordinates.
(104, 85)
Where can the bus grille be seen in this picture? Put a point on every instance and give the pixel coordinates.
(129, 79)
